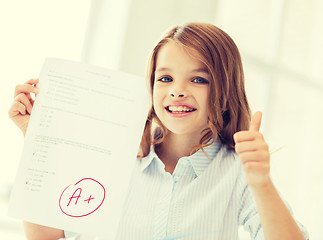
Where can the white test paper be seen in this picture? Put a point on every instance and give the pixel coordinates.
(80, 148)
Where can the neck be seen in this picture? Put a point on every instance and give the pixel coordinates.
(174, 147)
(179, 145)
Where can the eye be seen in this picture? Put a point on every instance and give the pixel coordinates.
(165, 79)
(200, 80)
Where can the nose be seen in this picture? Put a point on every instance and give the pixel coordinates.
(177, 92)
(177, 95)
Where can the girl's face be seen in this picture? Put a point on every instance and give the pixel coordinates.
(181, 90)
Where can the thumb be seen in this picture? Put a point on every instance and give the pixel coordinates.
(255, 122)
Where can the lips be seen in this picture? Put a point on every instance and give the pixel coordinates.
(179, 108)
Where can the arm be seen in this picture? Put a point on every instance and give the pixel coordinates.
(38, 232)
(275, 217)
(276, 220)
(19, 113)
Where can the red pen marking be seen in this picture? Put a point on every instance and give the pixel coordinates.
(89, 199)
(77, 197)
(88, 187)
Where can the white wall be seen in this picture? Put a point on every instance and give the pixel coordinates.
(147, 22)
(30, 31)
(280, 43)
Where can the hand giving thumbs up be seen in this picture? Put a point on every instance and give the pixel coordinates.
(254, 154)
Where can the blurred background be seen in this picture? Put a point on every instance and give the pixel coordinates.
(280, 43)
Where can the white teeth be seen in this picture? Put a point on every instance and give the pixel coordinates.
(179, 109)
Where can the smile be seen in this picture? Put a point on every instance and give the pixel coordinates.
(179, 111)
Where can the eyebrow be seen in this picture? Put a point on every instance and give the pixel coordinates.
(198, 70)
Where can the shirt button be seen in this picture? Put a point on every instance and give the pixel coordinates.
(176, 178)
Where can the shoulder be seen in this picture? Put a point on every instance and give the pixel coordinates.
(231, 165)
(226, 165)
(227, 156)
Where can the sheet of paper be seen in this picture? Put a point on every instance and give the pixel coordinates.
(80, 148)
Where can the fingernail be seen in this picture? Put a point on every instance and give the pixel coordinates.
(36, 90)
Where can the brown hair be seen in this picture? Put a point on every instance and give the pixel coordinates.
(228, 108)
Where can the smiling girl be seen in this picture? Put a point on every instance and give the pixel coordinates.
(205, 169)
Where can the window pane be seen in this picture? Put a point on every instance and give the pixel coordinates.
(301, 46)
(296, 118)
(247, 22)
(31, 31)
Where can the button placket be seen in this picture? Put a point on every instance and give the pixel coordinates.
(176, 179)
(162, 210)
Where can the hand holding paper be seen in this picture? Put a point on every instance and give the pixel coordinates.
(80, 146)
(22, 105)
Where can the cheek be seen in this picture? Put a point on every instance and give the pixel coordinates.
(156, 98)
(205, 101)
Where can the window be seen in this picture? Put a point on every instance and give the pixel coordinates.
(31, 31)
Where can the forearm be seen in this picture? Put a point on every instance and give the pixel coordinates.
(35, 231)
(276, 220)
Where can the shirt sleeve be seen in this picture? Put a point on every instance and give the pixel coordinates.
(71, 235)
(248, 215)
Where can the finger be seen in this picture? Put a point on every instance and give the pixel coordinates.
(17, 108)
(245, 136)
(254, 156)
(22, 98)
(245, 147)
(257, 167)
(249, 146)
(255, 122)
(33, 81)
(25, 88)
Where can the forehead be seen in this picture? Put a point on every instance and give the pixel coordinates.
(174, 54)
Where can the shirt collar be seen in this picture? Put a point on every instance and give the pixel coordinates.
(198, 160)
(146, 161)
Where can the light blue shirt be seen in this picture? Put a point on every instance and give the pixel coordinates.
(204, 198)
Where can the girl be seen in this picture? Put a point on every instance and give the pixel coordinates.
(204, 170)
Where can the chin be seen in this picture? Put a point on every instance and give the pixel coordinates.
(182, 130)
